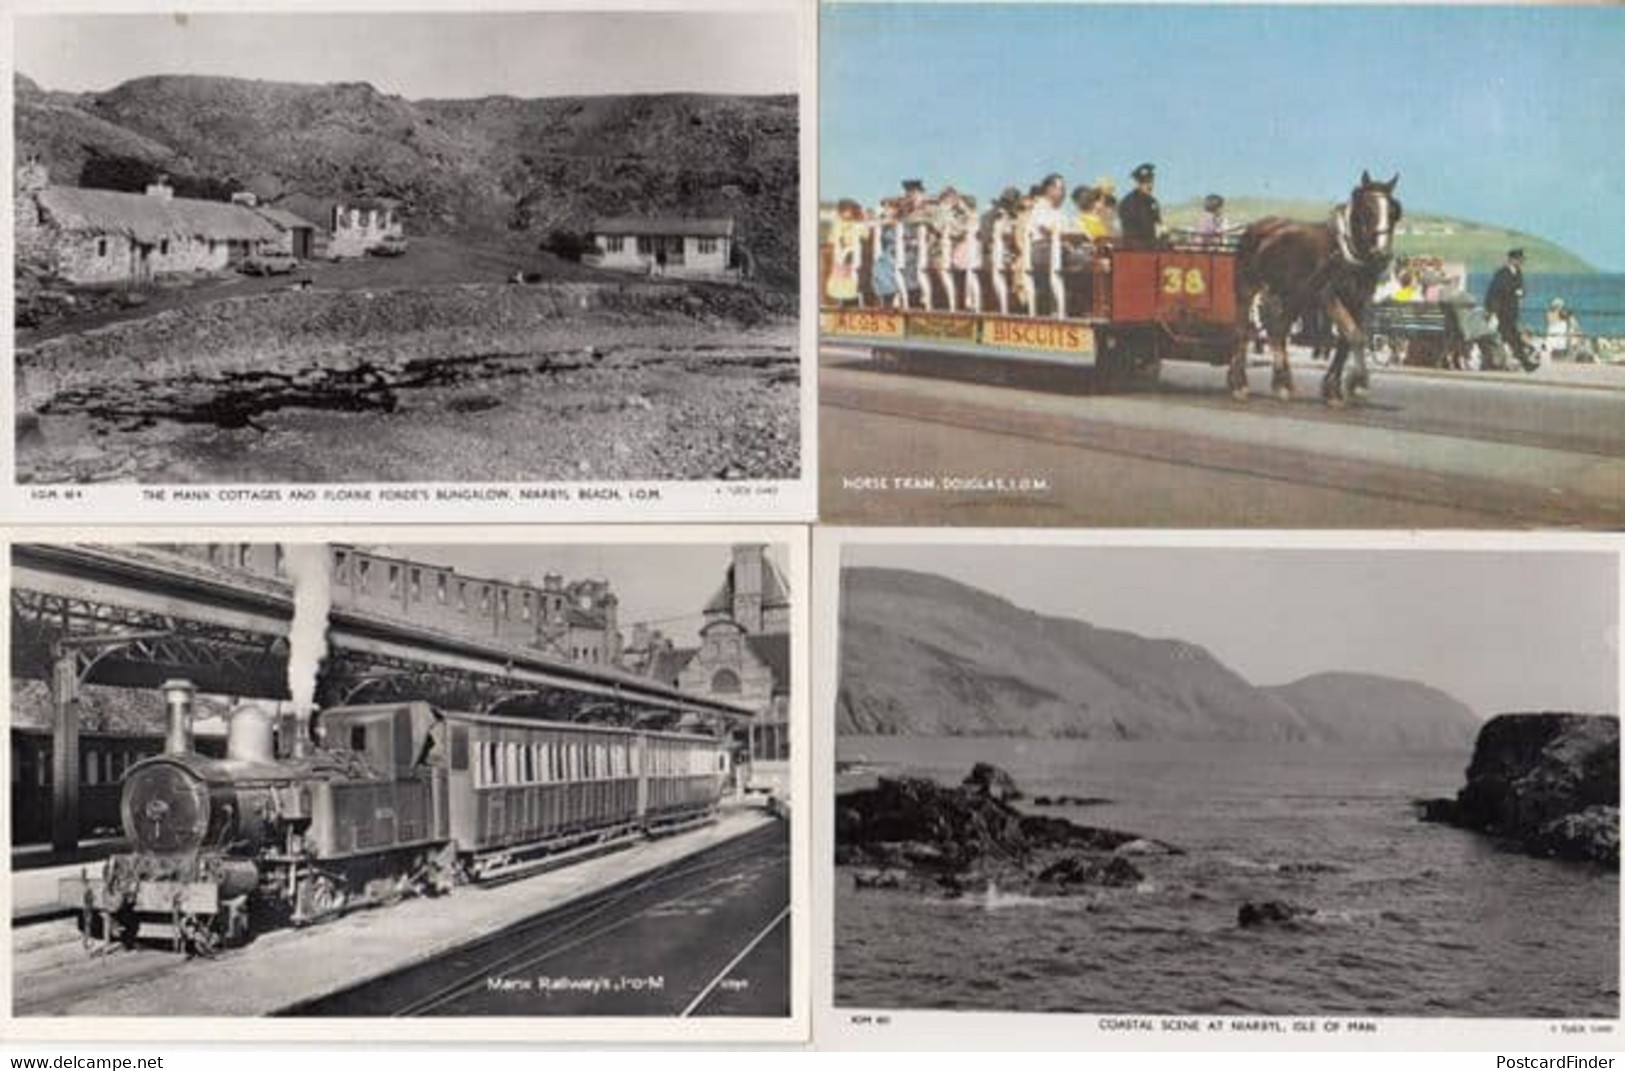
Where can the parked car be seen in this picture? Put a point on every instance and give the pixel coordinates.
(269, 264)
(391, 246)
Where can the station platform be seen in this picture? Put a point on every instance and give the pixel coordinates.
(55, 976)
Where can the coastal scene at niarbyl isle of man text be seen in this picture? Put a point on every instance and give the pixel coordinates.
(1221, 265)
(400, 247)
(1366, 784)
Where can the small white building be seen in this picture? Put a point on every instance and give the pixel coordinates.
(360, 226)
(664, 245)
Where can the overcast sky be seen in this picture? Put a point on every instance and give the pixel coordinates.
(1499, 631)
(668, 584)
(524, 54)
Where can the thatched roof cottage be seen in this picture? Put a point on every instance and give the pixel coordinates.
(110, 237)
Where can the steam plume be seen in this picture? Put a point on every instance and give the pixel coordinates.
(307, 639)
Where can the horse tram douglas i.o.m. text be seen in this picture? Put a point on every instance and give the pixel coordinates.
(908, 287)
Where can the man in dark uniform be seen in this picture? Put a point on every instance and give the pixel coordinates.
(1139, 213)
(1503, 299)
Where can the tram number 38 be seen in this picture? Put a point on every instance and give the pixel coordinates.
(1177, 280)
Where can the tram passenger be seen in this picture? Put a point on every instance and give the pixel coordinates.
(883, 279)
(847, 246)
(1090, 202)
(910, 214)
(1050, 221)
(998, 241)
(1211, 225)
(966, 254)
(1140, 212)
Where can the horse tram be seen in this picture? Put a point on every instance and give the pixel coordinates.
(1062, 297)
(947, 286)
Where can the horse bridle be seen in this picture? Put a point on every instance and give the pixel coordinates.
(1380, 237)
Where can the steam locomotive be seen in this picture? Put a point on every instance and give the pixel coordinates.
(395, 799)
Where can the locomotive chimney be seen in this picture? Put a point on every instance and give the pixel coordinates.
(178, 727)
(250, 735)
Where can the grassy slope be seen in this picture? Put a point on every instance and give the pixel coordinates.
(1482, 246)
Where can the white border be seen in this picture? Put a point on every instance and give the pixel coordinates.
(641, 501)
(847, 1028)
(793, 1029)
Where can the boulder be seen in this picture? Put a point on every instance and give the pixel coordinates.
(1546, 782)
(1113, 872)
(1271, 913)
(968, 836)
(992, 781)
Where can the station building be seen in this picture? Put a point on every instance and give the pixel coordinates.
(575, 621)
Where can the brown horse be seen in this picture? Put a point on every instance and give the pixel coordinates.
(1333, 267)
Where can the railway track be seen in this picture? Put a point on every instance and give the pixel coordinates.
(455, 982)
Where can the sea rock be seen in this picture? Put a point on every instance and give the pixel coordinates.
(990, 780)
(967, 837)
(1070, 801)
(1546, 782)
(1113, 872)
(1272, 913)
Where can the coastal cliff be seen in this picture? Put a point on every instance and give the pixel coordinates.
(1545, 782)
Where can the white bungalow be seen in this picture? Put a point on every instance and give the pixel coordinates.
(683, 247)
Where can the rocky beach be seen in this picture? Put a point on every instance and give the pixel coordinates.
(574, 381)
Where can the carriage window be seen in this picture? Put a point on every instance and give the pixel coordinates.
(92, 768)
(459, 748)
(358, 738)
(417, 584)
(440, 588)
(394, 580)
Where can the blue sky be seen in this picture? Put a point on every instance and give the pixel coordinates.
(1508, 115)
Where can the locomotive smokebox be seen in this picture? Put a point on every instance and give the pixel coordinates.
(251, 735)
(178, 695)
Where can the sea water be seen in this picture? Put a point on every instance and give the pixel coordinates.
(1597, 300)
(1412, 919)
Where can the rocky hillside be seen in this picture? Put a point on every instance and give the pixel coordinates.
(490, 166)
(924, 655)
(1548, 783)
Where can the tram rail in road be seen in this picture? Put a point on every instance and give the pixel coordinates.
(704, 935)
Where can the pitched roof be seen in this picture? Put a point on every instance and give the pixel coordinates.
(669, 664)
(775, 589)
(663, 225)
(148, 219)
(774, 651)
(284, 219)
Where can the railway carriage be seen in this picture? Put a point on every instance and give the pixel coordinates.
(389, 799)
(1122, 310)
(104, 756)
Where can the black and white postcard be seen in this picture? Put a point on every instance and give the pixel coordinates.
(537, 265)
(1218, 795)
(546, 783)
